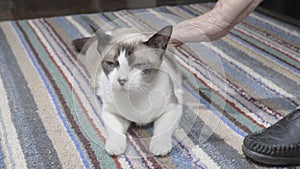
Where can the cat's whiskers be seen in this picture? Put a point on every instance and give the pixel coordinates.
(147, 75)
(144, 85)
(141, 88)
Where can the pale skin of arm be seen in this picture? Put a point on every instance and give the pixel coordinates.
(214, 24)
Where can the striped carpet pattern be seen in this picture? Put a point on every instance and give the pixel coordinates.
(49, 117)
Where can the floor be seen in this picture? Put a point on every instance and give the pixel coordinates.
(25, 9)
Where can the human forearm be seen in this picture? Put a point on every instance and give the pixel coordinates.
(215, 23)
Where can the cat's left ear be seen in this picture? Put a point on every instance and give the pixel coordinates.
(161, 38)
(102, 37)
(79, 45)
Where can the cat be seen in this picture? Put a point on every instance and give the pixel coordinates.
(138, 83)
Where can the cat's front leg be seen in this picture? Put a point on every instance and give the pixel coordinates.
(116, 128)
(164, 126)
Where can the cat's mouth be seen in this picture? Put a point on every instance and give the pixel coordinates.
(121, 88)
(124, 89)
(132, 89)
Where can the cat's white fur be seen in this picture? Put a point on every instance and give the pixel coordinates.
(123, 106)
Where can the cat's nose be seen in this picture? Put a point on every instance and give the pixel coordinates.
(122, 81)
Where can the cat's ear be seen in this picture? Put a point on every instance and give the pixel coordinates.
(161, 38)
(79, 45)
(102, 37)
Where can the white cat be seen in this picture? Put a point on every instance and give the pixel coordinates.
(137, 83)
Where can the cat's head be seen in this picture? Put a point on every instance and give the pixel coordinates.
(132, 65)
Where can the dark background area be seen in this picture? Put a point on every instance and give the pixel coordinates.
(25, 9)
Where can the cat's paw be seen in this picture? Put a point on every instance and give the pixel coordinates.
(160, 146)
(116, 145)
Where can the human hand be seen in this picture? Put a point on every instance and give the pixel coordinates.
(213, 24)
(175, 42)
(187, 31)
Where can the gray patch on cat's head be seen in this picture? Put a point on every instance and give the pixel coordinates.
(153, 49)
(153, 54)
(146, 56)
(110, 60)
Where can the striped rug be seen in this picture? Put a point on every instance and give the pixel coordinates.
(237, 85)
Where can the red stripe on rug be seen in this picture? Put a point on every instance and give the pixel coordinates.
(62, 100)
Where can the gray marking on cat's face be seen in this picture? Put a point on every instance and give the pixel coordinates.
(110, 60)
(130, 64)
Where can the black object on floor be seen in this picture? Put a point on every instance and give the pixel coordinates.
(278, 144)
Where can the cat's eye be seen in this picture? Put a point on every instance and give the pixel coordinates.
(110, 64)
(141, 65)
